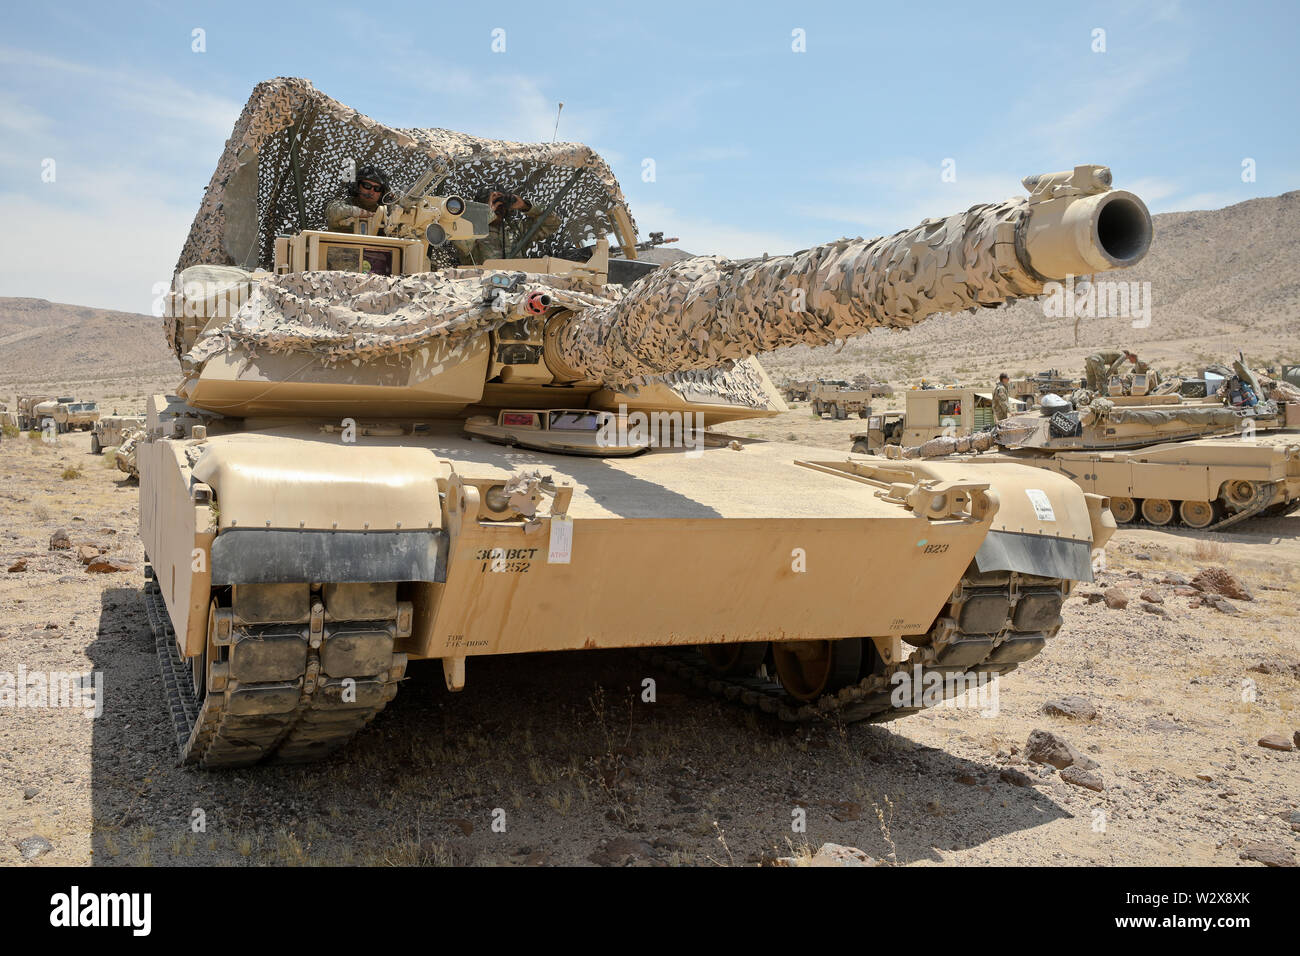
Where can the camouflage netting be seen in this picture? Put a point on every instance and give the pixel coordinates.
(700, 312)
(345, 316)
(291, 136)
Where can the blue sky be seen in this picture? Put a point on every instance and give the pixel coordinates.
(757, 148)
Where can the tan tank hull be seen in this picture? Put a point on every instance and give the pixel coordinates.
(1205, 484)
(763, 546)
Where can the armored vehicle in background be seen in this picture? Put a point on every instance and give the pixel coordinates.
(111, 429)
(798, 391)
(1161, 459)
(929, 413)
(76, 416)
(840, 399)
(1032, 389)
(403, 460)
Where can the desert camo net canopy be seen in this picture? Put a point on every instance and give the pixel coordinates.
(294, 149)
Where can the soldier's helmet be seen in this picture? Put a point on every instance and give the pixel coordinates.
(372, 174)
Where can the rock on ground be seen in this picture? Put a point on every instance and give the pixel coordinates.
(1044, 746)
(1079, 708)
(1221, 581)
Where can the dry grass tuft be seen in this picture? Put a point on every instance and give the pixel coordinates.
(1206, 550)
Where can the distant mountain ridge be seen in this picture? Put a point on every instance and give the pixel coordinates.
(1221, 280)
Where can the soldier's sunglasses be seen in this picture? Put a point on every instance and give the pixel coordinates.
(372, 187)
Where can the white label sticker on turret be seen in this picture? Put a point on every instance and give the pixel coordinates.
(1042, 505)
(561, 540)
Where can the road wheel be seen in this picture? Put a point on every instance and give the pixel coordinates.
(817, 408)
(1239, 495)
(1124, 510)
(860, 447)
(840, 413)
(734, 660)
(94, 445)
(1158, 511)
(1196, 514)
(809, 669)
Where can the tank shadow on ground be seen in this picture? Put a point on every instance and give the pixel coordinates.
(560, 748)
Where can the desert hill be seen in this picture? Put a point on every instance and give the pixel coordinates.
(1221, 281)
(86, 352)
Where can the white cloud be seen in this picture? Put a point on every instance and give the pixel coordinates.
(141, 97)
(19, 119)
(96, 245)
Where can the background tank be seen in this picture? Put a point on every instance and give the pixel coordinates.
(333, 490)
(1160, 459)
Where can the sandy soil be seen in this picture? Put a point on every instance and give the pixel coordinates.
(561, 749)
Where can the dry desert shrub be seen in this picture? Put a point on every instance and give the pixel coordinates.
(1216, 551)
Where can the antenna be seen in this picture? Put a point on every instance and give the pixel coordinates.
(557, 122)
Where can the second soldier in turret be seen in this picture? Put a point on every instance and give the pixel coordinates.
(507, 228)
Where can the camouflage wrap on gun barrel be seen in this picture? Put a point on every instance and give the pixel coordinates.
(701, 312)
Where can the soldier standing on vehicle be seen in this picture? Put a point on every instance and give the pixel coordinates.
(362, 199)
(1002, 399)
(1099, 366)
(506, 228)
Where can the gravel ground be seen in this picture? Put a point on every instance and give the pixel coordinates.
(556, 759)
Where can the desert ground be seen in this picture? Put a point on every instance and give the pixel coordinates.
(561, 752)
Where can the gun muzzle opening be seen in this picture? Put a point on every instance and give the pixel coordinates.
(538, 302)
(1085, 235)
(1124, 230)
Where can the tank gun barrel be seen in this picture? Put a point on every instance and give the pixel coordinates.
(704, 311)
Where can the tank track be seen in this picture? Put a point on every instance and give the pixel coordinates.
(251, 719)
(991, 624)
(1259, 505)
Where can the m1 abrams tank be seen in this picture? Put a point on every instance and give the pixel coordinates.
(1161, 459)
(364, 468)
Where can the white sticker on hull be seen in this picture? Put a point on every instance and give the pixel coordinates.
(1042, 504)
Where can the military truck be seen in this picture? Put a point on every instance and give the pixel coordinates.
(384, 463)
(75, 416)
(798, 390)
(930, 412)
(1051, 382)
(840, 399)
(26, 409)
(111, 429)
